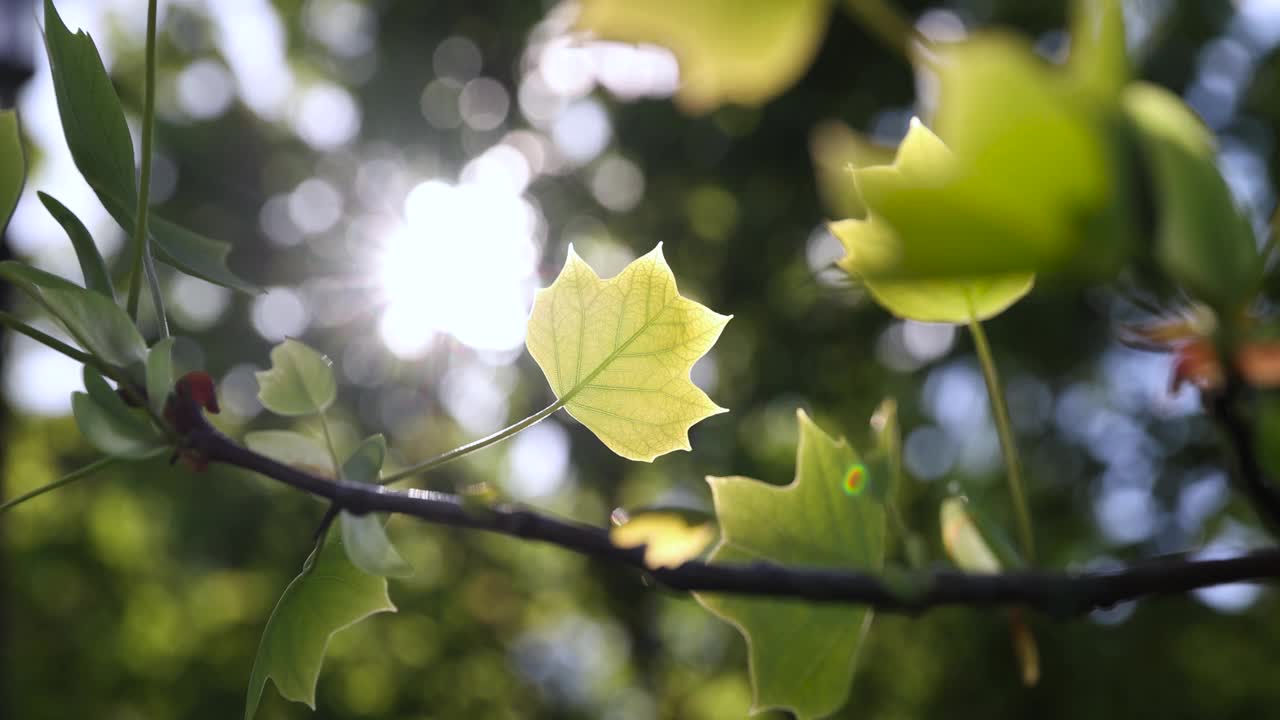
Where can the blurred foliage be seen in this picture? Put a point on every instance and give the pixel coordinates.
(144, 592)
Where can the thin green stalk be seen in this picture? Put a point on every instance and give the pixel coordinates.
(67, 479)
(471, 447)
(887, 23)
(157, 298)
(140, 247)
(1008, 445)
(333, 450)
(49, 341)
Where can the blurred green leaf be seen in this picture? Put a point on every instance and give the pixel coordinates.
(92, 266)
(618, 353)
(962, 540)
(740, 51)
(801, 654)
(329, 595)
(292, 448)
(1036, 183)
(160, 376)
(365, 536)
(836, 150)
(1099, 60)
(300, 381)
(13, 166)
(112, 426)
(1203, 240)
(30, 279)
(668, 537)
(922, 161)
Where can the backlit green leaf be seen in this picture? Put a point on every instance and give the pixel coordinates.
(870, 243)
(668, 537)
(365, 536)
(300, 381)
(801, 654)
(195, 254)
(618, 353)
(1099, 59)
(92, 266)
(329, 595)
(1038, 181)
(963, 542)
(741, 51)
(292, 448)
(98, 324)
(13, 166)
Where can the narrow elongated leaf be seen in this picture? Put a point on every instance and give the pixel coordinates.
(92, 266)
(292, 448)
(329, 595)
(801, 654)
(98, 136)
(300, 381)
(1099, 60)
(31, 279)
(195, 254)
(92, 116)
(962, 540)
(365, 536)
(13, 166)
(618, 353)
(160, 375)
(111, 426)
(742, 51)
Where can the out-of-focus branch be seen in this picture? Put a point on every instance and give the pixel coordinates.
(1226, 406)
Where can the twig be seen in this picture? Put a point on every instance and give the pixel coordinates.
(1225, 406)
(1060, 593)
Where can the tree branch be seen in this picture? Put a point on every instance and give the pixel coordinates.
(1060, 593)
(1225, 406)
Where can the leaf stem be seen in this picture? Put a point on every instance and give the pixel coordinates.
(140, 245)
(49, 341)
(471, 447)
(887, 23)
(1008, 445)
(74, 475)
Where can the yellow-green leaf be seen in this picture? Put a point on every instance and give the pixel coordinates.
(1038, 181)
(618, 353)
(740, 51)
(293, 449)
(963, 541)
(300, 381)
(871, 243)
(801, 654)
(669, 539)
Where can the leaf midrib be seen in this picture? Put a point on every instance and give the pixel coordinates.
(566, 398)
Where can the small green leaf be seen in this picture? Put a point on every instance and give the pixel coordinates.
(869, 243)
(618, 353)
(962, 540)
(293, 449)
(31, 279)
(92, 116)
(111, 426)
(1203, 241)
(300, 381)
(741, 51)
(92, 265)
(329, 595)
(160, 375)
(365, 536)
(95, 321)
(668, 537)
(801, 654)
(13, 166)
